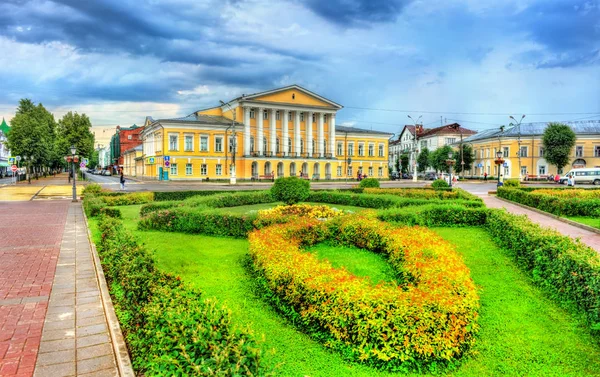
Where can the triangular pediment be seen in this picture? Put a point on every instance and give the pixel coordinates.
(293, 94)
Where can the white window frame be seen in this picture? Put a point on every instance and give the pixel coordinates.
(380, 171)
(277, 115)
(191, 169)
(350, 149)
(381, 150)
(173, 168)
(289, 116)
(185, 139)
(541, 151)
(252, 114)
(370, 171)
(252, 145)
(301, 117)
(339, 171)
(324, 118)
(219, 169)
(361, 149)
(289, 145)
(265, 114)
(207, 143)
(340, 149)
(204, 169)
(576, 149)
(219, 144)
(314, 118)
(176, 142)
(526, 151)
(371, 150)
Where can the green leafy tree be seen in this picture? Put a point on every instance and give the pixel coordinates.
(438, 158)
(468, 158)
(404, 162)
(75, 129)
(423, 160)
(398, 167)
(33, 134)
(94, 159)
(558, 140)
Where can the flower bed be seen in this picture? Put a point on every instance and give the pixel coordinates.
(429, 319)
(560, 202)
(169, 327)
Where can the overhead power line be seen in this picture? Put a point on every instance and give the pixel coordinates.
(462, 113)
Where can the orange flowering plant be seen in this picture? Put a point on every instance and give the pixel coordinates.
(428, 317)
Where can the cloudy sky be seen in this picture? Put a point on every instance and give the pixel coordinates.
(471, 61)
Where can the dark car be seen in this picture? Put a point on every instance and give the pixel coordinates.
(430, 177)
(395, 176)
(406, 176)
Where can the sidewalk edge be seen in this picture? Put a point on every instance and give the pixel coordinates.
(567, 221)
(116, 336)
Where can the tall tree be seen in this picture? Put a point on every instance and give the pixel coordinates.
(423, 160)
(75, 129)
(438, 158)
(32, 133)
(468, 158)
(404, 162)
(558, 140)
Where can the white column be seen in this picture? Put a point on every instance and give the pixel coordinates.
(320, 135)
(284, 131)
(246, 131)
(297, 134)
(308, 125)
(332, 149)
(259, 135)
(273, 131)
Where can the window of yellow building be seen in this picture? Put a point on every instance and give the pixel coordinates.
(173, 142)
(218, 144)
(290, 145)
(301, 117)
(325, 146)
(579, 151)
(189, 143)
(203, 169)
(265, 114)
(596, 151)
(277, 116)
(289, 116)
(277, 145)
(314, 117)
(325, 118)
(340, 149)
(251, 143)
(265, 144)
(173, 169)
(381, 150)
(188, 169)
(350, 149)
(301, 145)
(339, 171)
(380, 171)
(252, 114)
(371, 150)
(524, 151)
(219, 169)
(350, 171)
(505, 152)
(203, 143)
(370, 171)
(361, 149)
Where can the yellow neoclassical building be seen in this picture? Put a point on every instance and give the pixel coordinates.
(289, 131)
(523, 151)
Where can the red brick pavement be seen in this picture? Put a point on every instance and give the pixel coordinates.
(29, 247)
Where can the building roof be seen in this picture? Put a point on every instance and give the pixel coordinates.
(582, 127)
(452, 129)
(359, 130)
(293, 86)
(4, 127)
(202, 119)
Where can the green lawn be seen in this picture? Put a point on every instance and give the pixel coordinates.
(591, 221)
(522, 332)
(360, 262)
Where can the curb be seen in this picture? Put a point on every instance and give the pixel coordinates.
(567, 221)
(118, 342)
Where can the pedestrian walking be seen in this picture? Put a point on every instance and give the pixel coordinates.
(485, 176)
(122, 180)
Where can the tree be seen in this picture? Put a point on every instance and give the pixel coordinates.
(423, 160)
(290, 190)
(397, 165)
(468, 158)
(75, 129)
(558, 140)
(32, 134)
(438, 158)
(404, 162)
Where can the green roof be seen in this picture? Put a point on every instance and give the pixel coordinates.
(4, 128)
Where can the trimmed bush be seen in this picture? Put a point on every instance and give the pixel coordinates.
(436, 215)
(439, 183)
(567, 269)
(512, 183)
(380, 200)
(425, 193)
(290, 190)
(92, 189)
(160, 196)
(558, 202)
(129, 199)
(369, 182)
(431, 320)
(169, 328)
(92, 205)
(110, 212)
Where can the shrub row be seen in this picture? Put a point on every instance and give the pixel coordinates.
(569, 205)
(429, 320)
(169, 328)
(181, 195)
(436, 215)
(129, 199)
(567, 269)
(94, 205)
(420, 193)
(380, 200)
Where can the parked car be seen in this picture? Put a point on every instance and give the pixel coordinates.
(395, 176)
(588, 175)
(430, 177)
(407, 176)
(106, 172)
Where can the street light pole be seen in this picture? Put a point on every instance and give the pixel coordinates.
(450, 162)
(414, 148)
(518, 124)
(73, 150)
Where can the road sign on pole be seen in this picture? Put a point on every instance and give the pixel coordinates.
(167, 158)
(14, 168)
(18, 158)
(167, 163)
(82, 165)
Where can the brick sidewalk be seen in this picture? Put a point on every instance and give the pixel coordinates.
(29, 249)
(52, 320)
(589, 238)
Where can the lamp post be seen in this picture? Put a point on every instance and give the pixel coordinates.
(232, 177)
(73, 150)
(518, 124)
(415, 149)
(499, 161)
(450, 162)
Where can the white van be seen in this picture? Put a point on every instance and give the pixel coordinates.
(583, 176)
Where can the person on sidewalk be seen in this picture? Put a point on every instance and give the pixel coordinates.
(122, 180)
(485, 176)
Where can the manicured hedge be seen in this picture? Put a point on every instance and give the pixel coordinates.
(567, 269)
(94, 205)
(170, 329)
(181, 195)
(436, 215)
(424, 193)
(129, 199)
(430, 320)
(379, 201)
(569, 204)
(290, 190)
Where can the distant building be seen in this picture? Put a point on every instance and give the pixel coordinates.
(523, 151)
(124, 139)
(104, 156)
(4, 152)
(130, 158)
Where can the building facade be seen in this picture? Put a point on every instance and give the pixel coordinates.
(130, 158)
(124, 139)
(289, 131)
(4, 152)
(523, 151)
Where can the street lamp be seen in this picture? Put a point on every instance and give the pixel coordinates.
(518, 124)
(450, 162)
(414, 149)
(73, 150)
(499, 161)
(232, 178)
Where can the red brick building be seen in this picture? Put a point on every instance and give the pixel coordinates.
(124, 139)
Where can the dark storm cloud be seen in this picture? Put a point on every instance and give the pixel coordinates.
(357, 13)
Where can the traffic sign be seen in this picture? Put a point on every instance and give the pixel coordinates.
(14, 168)
(18, 158)
(86, 161)
(150, 160)
(11, 160)
(167, 158)
(82, 165)
(167, 163)
(505, 164)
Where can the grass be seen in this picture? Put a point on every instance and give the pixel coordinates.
(522, 332)
(586, 220)
(360, 262)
